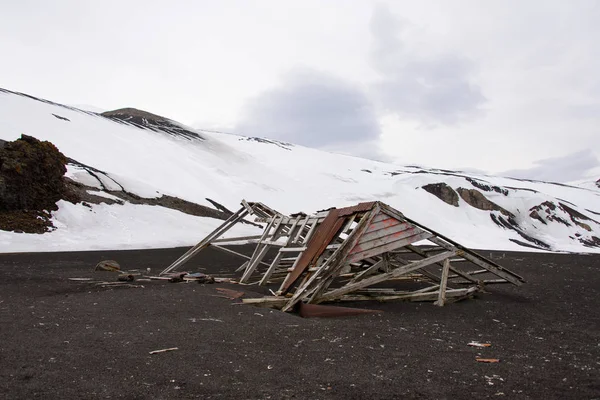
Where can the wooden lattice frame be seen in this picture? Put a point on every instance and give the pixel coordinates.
(355, 247)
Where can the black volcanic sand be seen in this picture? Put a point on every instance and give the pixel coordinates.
(61, 339)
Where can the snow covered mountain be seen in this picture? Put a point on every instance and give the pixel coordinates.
(136, 153)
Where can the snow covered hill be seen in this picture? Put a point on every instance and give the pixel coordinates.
(150, 156)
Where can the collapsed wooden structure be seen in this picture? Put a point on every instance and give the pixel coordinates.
(363, 252)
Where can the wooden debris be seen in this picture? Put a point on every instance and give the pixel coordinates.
(341, 254)
(487, 360)
(164, 350)
(477, 344)
(80, 279)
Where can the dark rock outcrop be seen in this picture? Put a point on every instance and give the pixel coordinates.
(145, 120)
(443, 192)
(31, 182)
(476, 199)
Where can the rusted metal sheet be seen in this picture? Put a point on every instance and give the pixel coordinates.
(323, 235)
(360, 207)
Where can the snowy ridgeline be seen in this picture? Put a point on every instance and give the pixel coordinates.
(480, 212)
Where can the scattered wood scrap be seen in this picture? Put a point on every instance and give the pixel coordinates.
(487, 360)
(164, 350)
(477, 344)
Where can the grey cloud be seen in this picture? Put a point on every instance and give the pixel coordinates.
(313, 109)
(559, 169)
(430, 88)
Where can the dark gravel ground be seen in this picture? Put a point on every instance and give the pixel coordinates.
(61, 339)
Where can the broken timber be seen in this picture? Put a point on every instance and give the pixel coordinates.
(347, 254)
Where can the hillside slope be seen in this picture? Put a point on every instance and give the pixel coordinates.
(154, 156)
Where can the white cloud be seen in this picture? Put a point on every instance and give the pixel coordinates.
(416, 84)
(314, 109)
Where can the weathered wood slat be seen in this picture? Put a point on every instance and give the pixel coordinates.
(275, 263)
(443, 283)
(332, 264)
(289, 220)
(380, 217)
(389, 246)
(495, 269)
(384, 232)
(236, 239)
(386, 223)
(336, 293)
(450, 294)
(364, 245)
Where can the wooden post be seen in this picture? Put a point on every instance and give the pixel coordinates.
(442, 292)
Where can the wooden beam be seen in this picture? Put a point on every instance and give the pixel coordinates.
(450, 294)
(444, 282)
(476, 259)
(336, 293)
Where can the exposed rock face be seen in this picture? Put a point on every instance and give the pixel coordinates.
(31, 182)
(443, 192)
(145, 120)
(476, 199)
(31, 174)
(598, 183)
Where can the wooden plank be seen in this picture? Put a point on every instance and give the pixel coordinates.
(271, 243)
(475, 259)
(389, 246)
(348, 224)
(422, 253)
(485, 282)
(364, 245)
(443, 284)
(236, 239)
(450, 294)
(445, 242)
(385, 231)
(336, 293)
(301, 230)
(315, 247)
(339, 258)
(259, 254)
(380, 217)
(310, 285)
(375, 226)
(279, 255)
(288, 220)
(310, 233)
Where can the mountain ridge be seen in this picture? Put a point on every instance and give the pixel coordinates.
(150, 156)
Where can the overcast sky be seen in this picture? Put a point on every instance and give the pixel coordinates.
(508, 87)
